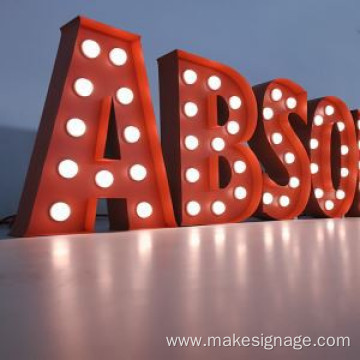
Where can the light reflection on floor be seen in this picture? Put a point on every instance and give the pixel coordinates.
(122, 293)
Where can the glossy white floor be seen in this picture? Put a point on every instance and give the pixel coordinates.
(118, 295)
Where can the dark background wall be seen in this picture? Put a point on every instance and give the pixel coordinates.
(316, 43)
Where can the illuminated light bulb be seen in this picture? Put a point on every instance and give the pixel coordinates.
(104, 178)
(329, 204)
(276, 94)
(329, 110)
(340, 194)
(294, 182)
(358, 124)
(191, 142)
(218, 207)
(193, 208)
(90, 49)
(267, 198)
(232, 127)
(284, 201)
(276, 138)
(60, 211)
(190, 109)
(344, 149)
(359, 144)
(314, 168)
(268, 113)
(218, 144)
(131, 134)
(75, 127)
(291, 103)
(192, 175)
(319, 193)
(318, 120)
(68, 169)
(341, 126)
(118, 56)
(83, 87)
(314, 144)
(138, 172)
(344, 172)
(125, 96)
(240, 192)
(214, 82)
(239, 166)
(235, 102)
(289, 157)
(189, 77)
(144, 210)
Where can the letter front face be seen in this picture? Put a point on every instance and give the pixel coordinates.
(287, 180)
(334, 158)
(97, 139)
(208, 112)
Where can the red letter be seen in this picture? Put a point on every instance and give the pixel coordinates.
(287, 180)
(355, 207)
(334, 175)
(207, 111)
(97, 139)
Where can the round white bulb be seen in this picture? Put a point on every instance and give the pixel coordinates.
(291, 103)
(314, 168)
(276, 138)
(189, 77)
(314, 144)
(329, 204)
(118, 57)
(276, 94)
(359, 144)
(68, 169)
(83, 87)
(192, 175)
(240, 192)
(344, 172)
(340, 125)
(214, 82)
(193, 208)
(329, 110)
(138, 172)
(104, 178)
(284, 201)
(268, 113)
(90, 49)
(218, 207)
(239, 166)
(144, 210)
(340, 194)
(289, 158)
(75, 127)
(344, 149)
(318, 120)
(267, 198)
(125, 96)
(235, 102)
(131, 134)
(191, 142)
(232, 127)
(319, 193)
(294, 182)
(190, 109)
(218, 144)
(358, 124)
(60, 211)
